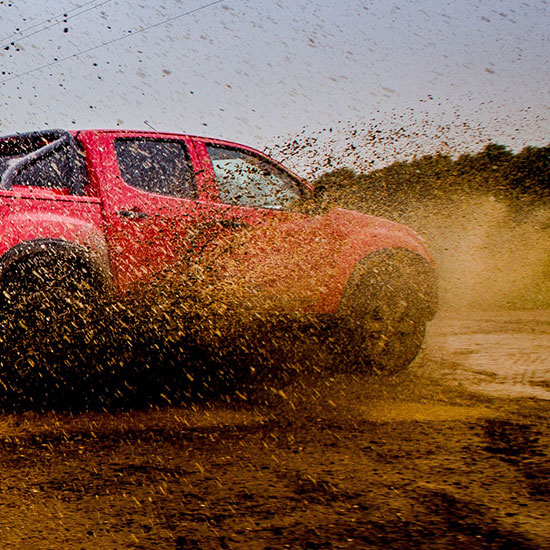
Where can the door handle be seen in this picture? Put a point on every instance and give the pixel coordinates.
(232, 223)
(133, 214)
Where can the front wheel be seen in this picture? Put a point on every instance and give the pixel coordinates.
(384, 310)
(387, 349)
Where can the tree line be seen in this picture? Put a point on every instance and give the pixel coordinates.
(521, 179)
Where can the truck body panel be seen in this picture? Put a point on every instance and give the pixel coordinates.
(151, 200)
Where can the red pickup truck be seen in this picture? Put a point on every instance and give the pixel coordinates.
(117, 208)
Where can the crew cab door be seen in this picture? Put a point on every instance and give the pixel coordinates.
(247, 185)
(286, 257)
(152, 194)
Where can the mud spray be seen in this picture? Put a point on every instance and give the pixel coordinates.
(199, 333)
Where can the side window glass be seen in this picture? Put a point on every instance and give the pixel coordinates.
(156, 167)
(246, 180)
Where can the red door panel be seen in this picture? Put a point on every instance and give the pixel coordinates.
(152, 195)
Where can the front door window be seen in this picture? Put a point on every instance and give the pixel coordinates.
(247, 180)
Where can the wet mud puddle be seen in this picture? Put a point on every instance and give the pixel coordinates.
(504, 354)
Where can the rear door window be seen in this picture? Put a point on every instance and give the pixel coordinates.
(156, 166)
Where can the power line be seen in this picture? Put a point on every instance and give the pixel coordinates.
(64, 14)
(108, 42)
(57, 23)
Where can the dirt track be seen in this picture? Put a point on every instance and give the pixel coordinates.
(452, 454)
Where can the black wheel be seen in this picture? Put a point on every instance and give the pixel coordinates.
(46, 297)
(385, 308)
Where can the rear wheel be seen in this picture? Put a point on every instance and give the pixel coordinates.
(47, 284)
(385, 308)
(47, 297)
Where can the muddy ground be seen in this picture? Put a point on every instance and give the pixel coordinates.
(454, 453)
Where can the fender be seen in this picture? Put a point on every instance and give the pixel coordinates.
(40, 215)
(362, 235)
(365, 234)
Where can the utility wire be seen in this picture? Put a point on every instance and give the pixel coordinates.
(108, 42)
(12, 37)
(56, 23)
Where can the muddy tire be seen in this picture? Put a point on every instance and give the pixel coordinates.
(48, 281)
(47, 297)
(385, 307)
(48, 300)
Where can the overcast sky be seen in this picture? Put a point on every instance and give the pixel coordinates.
(423, 73)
